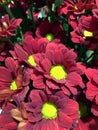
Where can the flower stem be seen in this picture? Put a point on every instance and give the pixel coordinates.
(31, 16)
(8, 10)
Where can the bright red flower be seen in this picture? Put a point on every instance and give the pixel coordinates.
(57, 70)
(92, 85)
(29, 48)
(55, 111)
(86, 32)
(8, 26)
(10, 79)
(76, 7)
(51, 31)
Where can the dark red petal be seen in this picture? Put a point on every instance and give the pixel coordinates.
(18, 22)
(52, 84)
(94, 109)
(91, 91)
(72, 109)
(20, 52)
(96, 98)
(49, 125)
(10, 64)
(95, 78)
(7, 122)
(34, 117)
(46, 65)
(36, 95)
(64, 120)
(5, 75)
(28, 45)
(90, 73)
(74, 79)
(38, 82)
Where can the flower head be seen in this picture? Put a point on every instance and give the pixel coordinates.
(51, 111)
(52, 31)
(57, 70)
(86, 31)
(76, 7)
(8, 26)
(29, 48)
(10, 78)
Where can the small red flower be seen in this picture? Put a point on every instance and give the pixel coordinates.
(86, 32)
(76, 7)
(29, 48)
(8, 26)
(10, 79)
(56, 111)
(51, 31)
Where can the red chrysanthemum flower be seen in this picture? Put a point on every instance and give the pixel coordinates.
(86, 32)
(57, 70)
(52, 31)
(14, 114)
(76, 7)
(92, 85)
(56, 111)
(29, 48)
(8, 26)
(19, 113)
(10, 79)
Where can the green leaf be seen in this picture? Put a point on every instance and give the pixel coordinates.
(58, 2)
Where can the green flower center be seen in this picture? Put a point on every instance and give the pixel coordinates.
(50, 36)
(87, 34)
(13, 86)
(84, 109)
(49, 110)
(58, 72)
(31, 61)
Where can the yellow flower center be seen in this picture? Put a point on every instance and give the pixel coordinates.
(31, 61)
(49, 110)
(58, 72)
(13, 86)
(75, 7)
(87, 34)
(50, 36)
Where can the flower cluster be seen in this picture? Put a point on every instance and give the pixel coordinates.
(48, 65)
